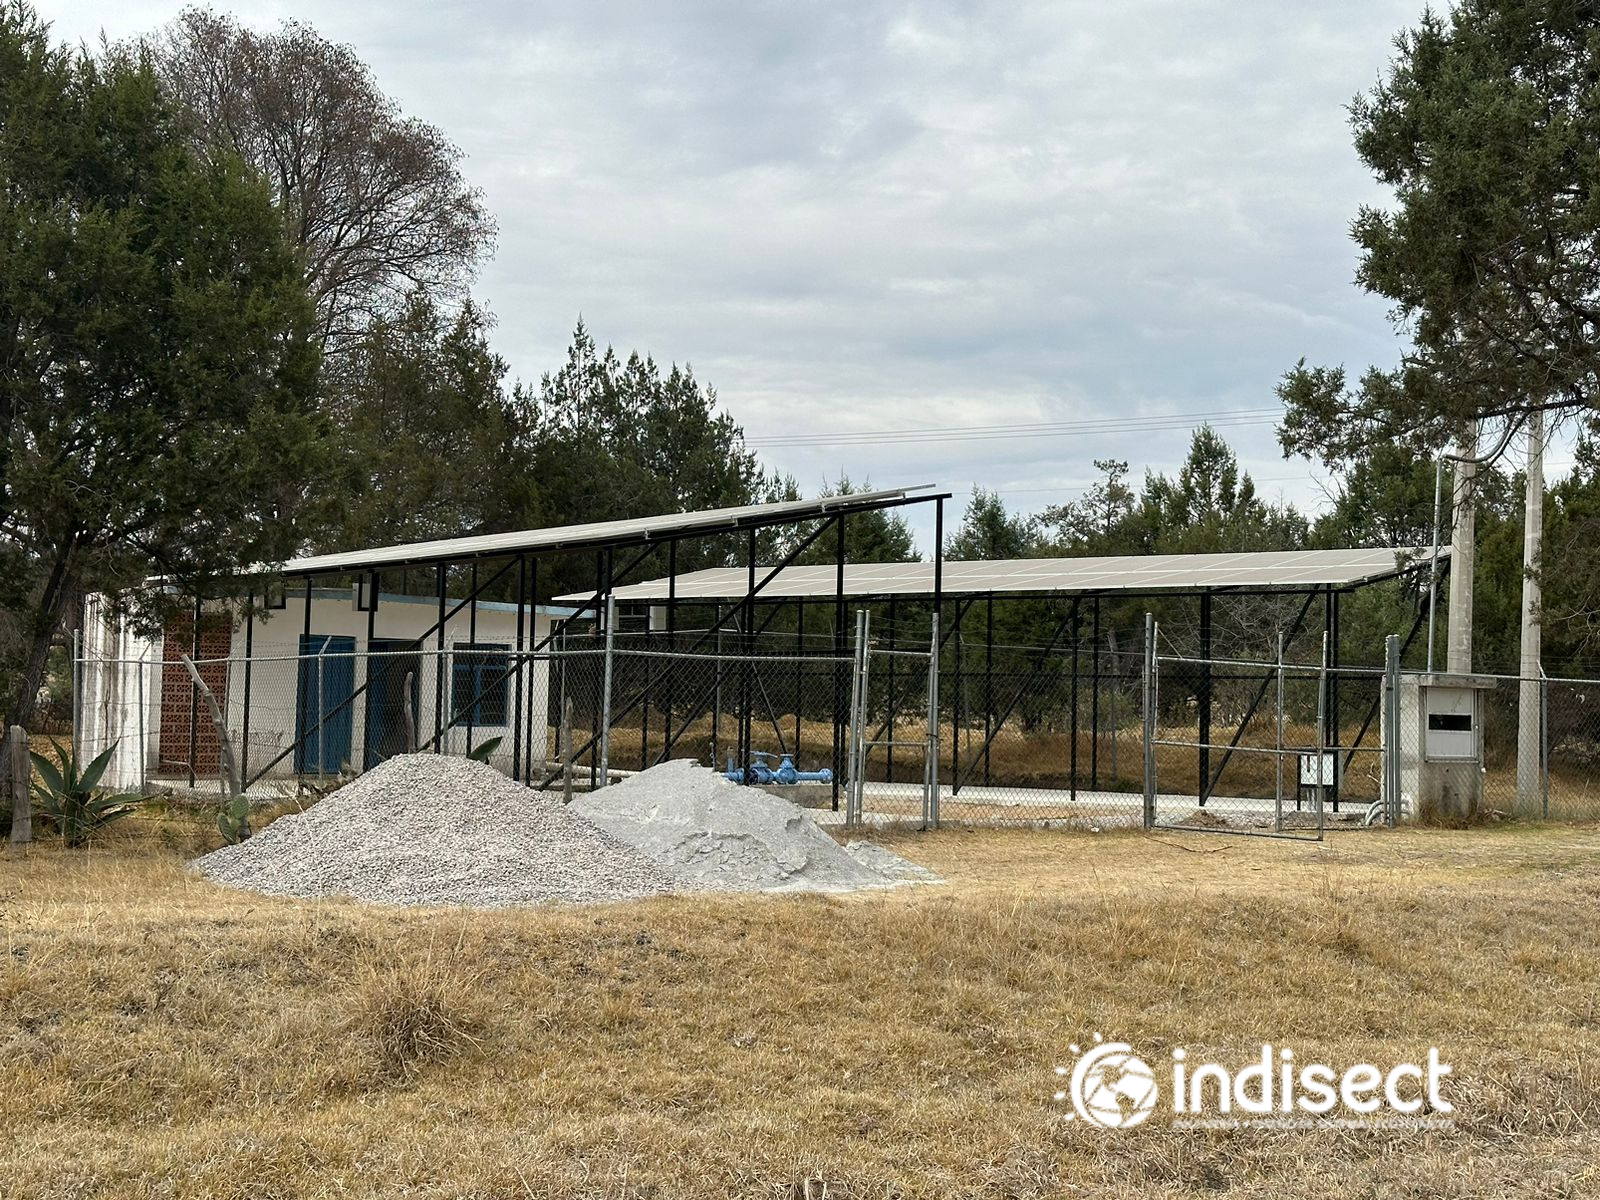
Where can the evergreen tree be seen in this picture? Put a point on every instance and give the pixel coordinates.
(989, 532)
(1210, 507)
(157, 377)
(1097, 522)
(437, 446)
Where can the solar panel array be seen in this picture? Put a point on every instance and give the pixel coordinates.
(599, 533)
(1282, 570)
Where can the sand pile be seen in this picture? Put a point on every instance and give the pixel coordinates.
(724, 837)
(434, 829)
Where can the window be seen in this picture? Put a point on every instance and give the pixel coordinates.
(479, 684)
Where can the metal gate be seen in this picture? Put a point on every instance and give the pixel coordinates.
(1312, 747)
(893, 772)
(1286, 774)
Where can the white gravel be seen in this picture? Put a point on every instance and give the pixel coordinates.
(889, 864)
(725, 837)
(434, 829)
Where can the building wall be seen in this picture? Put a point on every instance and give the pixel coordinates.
(185, 734)
(275, 671)
(137, 695)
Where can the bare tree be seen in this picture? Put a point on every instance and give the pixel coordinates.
(376, 199)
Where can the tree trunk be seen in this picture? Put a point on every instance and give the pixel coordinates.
(44, 623)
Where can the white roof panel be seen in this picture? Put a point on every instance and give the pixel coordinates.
(599, 533)
(1275, 570)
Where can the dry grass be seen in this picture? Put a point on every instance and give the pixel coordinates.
(164, 1037)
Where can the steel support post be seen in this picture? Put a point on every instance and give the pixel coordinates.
(605, 692)
(746, 704)
(955, 705)
(1392, 749)
(893, 702)
(519, 679)
(672, 648)
(194, 689)
(439, 666)
(838, 654)
(1072, 746)
(249, 663)
(1094, 700)
(1334, 715)
(988, 687)
(372, 631)
(857, 756)
(1277, 759)
(473, 660)
(1205, 697)
(930, 800)
(1151, 698)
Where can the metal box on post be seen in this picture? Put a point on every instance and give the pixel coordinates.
(1441, 746)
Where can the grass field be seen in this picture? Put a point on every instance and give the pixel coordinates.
(164, 1037)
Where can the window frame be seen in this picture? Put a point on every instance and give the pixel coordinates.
(481, 660)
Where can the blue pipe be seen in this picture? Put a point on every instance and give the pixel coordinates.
(761, 771)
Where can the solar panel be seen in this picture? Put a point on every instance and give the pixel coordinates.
(599, 533)
(1275, 570)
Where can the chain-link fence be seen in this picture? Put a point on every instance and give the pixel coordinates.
(568, 715)
(1285, 747)
(1094, 731)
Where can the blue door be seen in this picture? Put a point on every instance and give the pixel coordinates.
(323, 703)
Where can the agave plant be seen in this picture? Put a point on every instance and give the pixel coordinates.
(71, 799)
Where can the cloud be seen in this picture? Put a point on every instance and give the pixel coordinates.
(872, 215)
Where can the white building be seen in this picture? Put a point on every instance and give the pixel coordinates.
(310, 699)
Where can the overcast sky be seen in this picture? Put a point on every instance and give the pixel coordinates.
(868, 218)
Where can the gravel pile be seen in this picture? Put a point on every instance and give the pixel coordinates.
(889, 864)
(433, 829)
(724, 837)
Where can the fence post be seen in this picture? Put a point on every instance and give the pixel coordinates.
(857, 756)
(322, 710)
(1391, 727)
(1277, 759)
(20, 775)
(1322, 738)
(1149, 714)
(605, 693)
(1544, 742)
(144, 741)
(930, 795)
(77, 694)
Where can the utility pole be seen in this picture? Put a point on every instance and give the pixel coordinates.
(1529, 737)
(1463, 556)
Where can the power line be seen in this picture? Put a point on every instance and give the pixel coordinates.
(1083, 428)
(956, 490)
